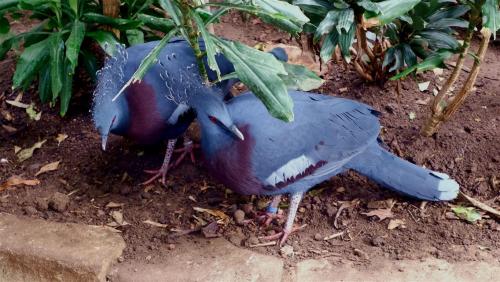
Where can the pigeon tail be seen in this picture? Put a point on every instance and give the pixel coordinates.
(404, 177)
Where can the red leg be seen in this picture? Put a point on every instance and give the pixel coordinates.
(189, 147)
(162, 172)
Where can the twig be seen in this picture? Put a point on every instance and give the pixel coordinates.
(481, 205)
(267, 244)
(333, 236)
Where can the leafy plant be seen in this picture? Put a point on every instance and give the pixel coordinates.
(261, 72)
(54, 47)
(484, 15)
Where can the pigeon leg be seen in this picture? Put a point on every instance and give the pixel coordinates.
(289, 229)
(189, 147)
(271, 213)
(162, 172)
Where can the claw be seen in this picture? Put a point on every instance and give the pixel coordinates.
(283, 235)
(265, 218)
(188, 149)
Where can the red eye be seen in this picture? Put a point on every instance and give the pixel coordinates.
(213, 119)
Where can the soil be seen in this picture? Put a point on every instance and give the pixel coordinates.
(467, 148)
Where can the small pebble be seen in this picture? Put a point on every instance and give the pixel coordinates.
(171, 246)
(239, 217)
(286, 251)
(378, 241)
(29, 210)
(59, 202)
(121, 259)
(318, 237)
(253, 240)
(42, 204)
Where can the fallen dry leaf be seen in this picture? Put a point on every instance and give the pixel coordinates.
(118, 218)
(423, 101)
(380, 213)
(17, 104)
(27, 153)
(395, 223)
(48, 167)
(217, 213)
(61, 137)
(17, 149)
(210, 230)
(17, 180)
(423, 86)
(385, 204)
(9, 128)
(113, 205)
(157, 224)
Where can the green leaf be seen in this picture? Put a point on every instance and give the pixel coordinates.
(74, 6)
(434, 61)
(390, 10)
(89, 62)
(172, 11)
(74, 42)
(161, 24)
(292, 18)
(210, 47)
(447, 22)
(4, 25)
(56, 63)
(44, 84)
(345, 42)
(148, 61)
(346, 19)
(490, 14)
(440, 40)
(327, 24)
(30, 61)
(369, 6)
(328, 46)
(6, 4)
(121, 24)
(317, 7)
(260, 71)
(134, 36)
(106, 40)
(300, 78)
(389, 57)
(6, 42)
(398, 57)
(469, 214)
(67, 89)
(409, 56)
(451, 12)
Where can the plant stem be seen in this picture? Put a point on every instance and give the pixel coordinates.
(443, 114)
(192, 33)
(111, 8)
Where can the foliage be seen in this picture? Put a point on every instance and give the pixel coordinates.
(55, 46)
(391, 35)
(260, 71)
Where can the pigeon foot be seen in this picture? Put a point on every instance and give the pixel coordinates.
(283, 235)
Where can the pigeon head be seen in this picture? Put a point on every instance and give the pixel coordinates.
(110, 116)
(211, 110)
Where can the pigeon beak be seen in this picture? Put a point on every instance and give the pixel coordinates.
(237, 132)
(104, 141)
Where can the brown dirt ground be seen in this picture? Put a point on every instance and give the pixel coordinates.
(467, 148)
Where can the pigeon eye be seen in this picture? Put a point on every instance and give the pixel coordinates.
(213, 119)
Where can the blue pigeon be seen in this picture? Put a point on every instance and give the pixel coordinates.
(253, 153)
(144, 113)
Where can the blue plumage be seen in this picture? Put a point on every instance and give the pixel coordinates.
(328, 136)
(147, 112)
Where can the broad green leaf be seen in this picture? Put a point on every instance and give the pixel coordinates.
(409, 56)
(328, 46)
(161, 24)
(390, 10)
(121, 24)
(6, 4)
(172, 11)
(4, 25)
(148, 61)
(260, 71)
(300, 78)
(345, 21)
(74, 42)
(293, 19)
(434, 61)
(74, 6)
(440, 40)
(44, 84)
(318, 7)
(389, 57)
(469, 214)
(106, 40)
(369, 6)
(135, 36)
(345, 42)
(67, 88)
(6, 42)
(56, 64)
(451, 12)
(327, 24)
(398, 60)
(30, 62)
(210, 47)
(490, 15)
(89, 62)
